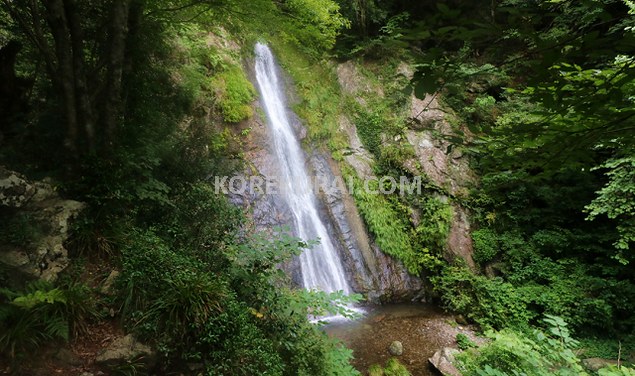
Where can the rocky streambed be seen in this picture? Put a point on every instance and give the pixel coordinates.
(422, 329)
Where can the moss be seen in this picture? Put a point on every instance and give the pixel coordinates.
(395, 368)
(234, 94)
(375, 370)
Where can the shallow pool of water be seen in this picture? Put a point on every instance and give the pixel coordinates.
(421, 328)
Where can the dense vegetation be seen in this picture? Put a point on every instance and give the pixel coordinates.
(141, 95)
(129, 106)
(543, 94)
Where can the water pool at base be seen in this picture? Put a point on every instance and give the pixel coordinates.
(421, 328)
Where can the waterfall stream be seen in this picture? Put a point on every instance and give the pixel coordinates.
(321, 266)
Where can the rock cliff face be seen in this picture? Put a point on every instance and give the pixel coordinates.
(36, 227)
(379, 276)
(428, 127)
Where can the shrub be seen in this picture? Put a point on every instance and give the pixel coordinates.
(464, 342)
(485, 245)
(532, 354)
(375, 370)
(490, 302)
(165, 294)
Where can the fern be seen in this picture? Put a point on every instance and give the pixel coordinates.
(32, 317)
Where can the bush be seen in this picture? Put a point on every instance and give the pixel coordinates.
(166, 295)
(464, 342)
(485, 245)
(493, 303)
(533, 354)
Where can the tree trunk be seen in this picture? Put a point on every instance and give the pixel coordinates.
(85, 113)
(56, 19)
(115, 64)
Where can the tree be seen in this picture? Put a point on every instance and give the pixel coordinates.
(85, 68)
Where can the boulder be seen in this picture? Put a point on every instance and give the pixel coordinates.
(126, 349)
(39, 205)
(595, 364)
(395, 348)
(15, 189)
(107, 288)
(443, 361)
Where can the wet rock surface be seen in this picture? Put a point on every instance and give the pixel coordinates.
(395, 348)
(422, 329)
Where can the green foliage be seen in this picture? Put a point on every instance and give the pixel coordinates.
(387, 225)
(464, 342)
(315, 21)
(395, 368)
(369, 128)
(435, 220)
(375, 370)
(31, 317)
(606, 348)
(485, 245)
(531, 354)
(80, 308)
(234, 94)
(165, 294)
(616, 200)
(319, 94)
(489, 302)
(615, 371)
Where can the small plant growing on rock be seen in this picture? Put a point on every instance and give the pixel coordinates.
(464, 342)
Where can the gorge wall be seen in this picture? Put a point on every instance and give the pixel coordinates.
(381, 277)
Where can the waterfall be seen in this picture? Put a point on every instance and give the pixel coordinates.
(321, 266)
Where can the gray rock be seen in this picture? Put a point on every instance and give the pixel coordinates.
(15, 189)
(443, 361)
(107, 286)
(125, 349)
(595, 364)
(66, 356)
(395, 348)
(44, 257)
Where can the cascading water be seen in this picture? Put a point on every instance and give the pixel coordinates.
(321, 266)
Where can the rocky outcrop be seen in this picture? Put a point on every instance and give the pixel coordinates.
(379, 276)
(443, 360)
(41, 254)
(435, 157)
